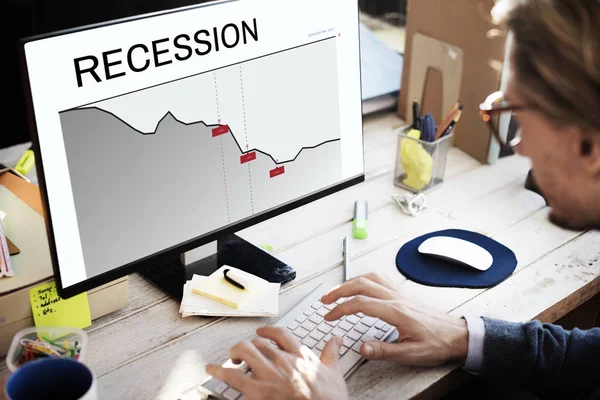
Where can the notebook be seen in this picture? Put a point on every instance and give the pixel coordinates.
(214, 296)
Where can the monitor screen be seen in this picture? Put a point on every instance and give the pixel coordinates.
(161, 132)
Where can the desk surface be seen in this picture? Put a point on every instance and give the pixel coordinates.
(146, 350)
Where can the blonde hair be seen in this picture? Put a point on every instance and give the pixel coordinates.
(556, 57)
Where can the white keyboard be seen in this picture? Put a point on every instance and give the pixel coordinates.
(305, 321)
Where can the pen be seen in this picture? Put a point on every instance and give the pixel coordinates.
(415, 114)
(346, 258)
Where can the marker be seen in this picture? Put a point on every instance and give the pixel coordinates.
(26, 162)
(235, 279)
(359, 225)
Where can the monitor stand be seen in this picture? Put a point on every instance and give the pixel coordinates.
(232, 250)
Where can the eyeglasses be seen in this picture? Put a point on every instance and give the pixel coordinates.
(496, 111)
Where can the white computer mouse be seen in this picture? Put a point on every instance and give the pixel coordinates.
(457, 250)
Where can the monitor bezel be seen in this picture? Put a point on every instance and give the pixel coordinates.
(173, 251)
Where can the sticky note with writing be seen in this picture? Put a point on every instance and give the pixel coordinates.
(49, 309)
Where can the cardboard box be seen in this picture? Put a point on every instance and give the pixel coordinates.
(24, 224)
(461, 29)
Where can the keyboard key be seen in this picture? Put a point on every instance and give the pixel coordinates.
(345, 326)
(309, 312)
(309, 326)
(349, 360)
(321, 345)
(343, 350)
(368, 321)
(370, 335)
(361, 328)
(386, 327)
(333, 323)
(293, 326)
(301, 318)
(317, 305)
(231, 394)
(340, 300)
(327, 338)
(354, 335)
(309, 342)
(330, 306)
(338, 332)
(317, 352)
(379, 335)
(353, 319)
(359, 315)
(221, 388)
(317, 335)
(348, 342)
(322, 311)
(379, 324)
(315, 319)
(357, 346)
(324, 328)
(301, 332)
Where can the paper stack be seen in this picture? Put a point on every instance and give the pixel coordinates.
(214, 296)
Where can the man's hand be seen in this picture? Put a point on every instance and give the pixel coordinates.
(288, 372)
(427, 337)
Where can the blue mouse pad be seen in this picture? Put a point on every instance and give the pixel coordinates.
(431, 271)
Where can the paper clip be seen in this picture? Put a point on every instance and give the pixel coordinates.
(411, 205)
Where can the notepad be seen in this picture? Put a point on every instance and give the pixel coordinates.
(49, 309)
(216, 287)
(213, 296)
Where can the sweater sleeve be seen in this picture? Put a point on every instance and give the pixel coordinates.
(542, 358)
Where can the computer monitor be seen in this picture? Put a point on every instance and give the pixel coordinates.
(163, 132)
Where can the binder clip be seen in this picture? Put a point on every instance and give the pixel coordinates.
(411, 204)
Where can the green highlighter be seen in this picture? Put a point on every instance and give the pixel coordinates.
(359, 226)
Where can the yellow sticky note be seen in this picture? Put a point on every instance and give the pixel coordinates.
(49, 309)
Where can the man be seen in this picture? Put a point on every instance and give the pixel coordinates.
(554, 93)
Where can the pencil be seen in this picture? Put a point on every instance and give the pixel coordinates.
(446, 121)
(450, 127)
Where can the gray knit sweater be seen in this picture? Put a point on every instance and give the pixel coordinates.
(544, 359)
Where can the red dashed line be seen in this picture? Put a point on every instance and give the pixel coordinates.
(225, 180)
(222, 155)
(246, 133)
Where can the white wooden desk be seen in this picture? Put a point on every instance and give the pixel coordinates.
(148, 351)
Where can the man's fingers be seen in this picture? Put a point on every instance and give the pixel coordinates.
(383, 280)
(382, 309)
(235, 378)
(330, 355)
(256, 361)
(272, 353)
(375, 350)
(282, 337)
(359, 286)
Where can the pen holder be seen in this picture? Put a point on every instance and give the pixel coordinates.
(420, 165)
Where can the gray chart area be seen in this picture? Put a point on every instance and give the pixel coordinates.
(139, 193)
